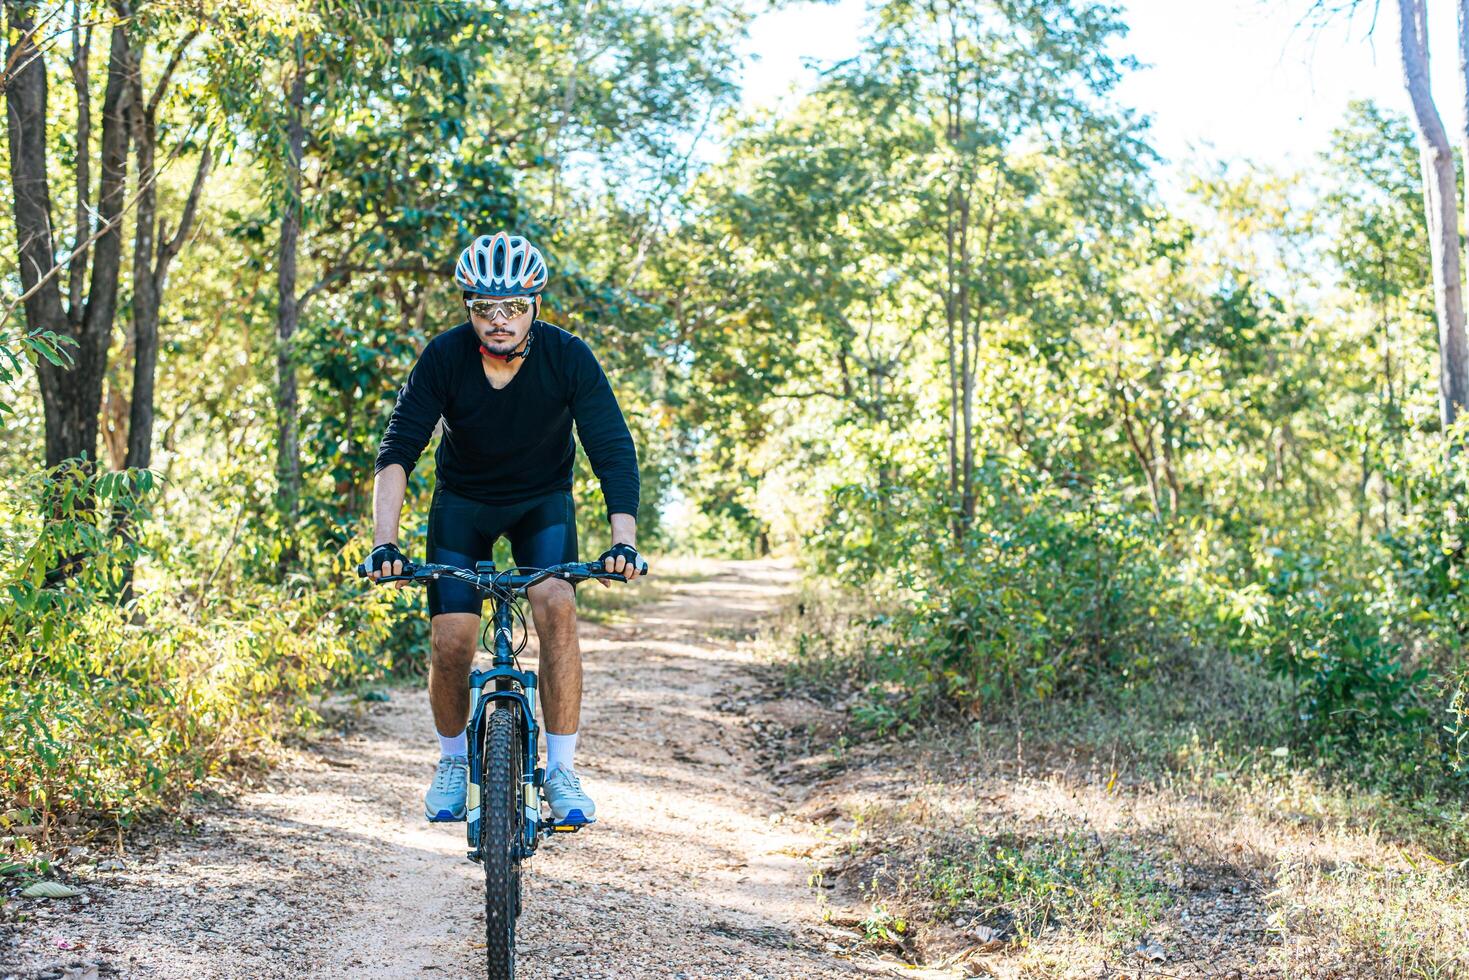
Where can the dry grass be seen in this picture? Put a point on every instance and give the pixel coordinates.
(1162, 830)
(1057, 874)
(1373, 921)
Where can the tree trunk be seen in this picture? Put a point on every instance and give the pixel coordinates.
(288, 452)
(71, 396)
(145, 287)
(153, 251)
(97, 321)
(1440, 198)
(968, 359)
(25, 118)
(951, 305)
(81, 58)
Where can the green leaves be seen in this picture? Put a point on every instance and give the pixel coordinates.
(17, 352)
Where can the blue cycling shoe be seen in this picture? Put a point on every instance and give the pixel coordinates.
(569, 803)
(444, 802)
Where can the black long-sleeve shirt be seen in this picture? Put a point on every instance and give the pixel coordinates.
(507, 445)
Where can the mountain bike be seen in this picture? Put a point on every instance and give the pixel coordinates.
(503, 808)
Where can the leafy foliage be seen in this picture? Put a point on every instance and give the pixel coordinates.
(118, 708)
(139, 664)
(931, 327)
(950, 347)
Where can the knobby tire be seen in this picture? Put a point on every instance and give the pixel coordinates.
(500, 839)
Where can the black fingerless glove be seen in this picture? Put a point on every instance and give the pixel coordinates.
(624, 551)
(384, 554)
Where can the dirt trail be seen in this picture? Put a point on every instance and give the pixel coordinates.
(331, 871)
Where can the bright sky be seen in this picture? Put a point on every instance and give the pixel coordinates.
(1227, 79)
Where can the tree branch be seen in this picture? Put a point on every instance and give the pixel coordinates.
(340, 271)
(169, 69)
(815, 393)
(12, 68)
(170, 248)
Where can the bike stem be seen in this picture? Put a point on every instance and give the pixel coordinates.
(503, 638)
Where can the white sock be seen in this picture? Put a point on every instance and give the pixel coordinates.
(559, 751)
(453, 745)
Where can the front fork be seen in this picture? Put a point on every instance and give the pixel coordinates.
(483, 695)
(503, 682)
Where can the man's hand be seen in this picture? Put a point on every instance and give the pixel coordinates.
(621, 558)
(386, 560)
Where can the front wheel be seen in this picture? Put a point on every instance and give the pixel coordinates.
(500, 839)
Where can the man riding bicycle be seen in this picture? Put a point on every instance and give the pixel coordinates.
(507, 388)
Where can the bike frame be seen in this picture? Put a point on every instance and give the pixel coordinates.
(504, 682)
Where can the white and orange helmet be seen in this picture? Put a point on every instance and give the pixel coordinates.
(501, 264)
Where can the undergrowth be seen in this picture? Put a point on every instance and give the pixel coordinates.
(1204, 725)
(135, 676)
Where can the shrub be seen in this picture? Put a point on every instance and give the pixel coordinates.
(1045, 592)
(116, 707)
(1320, 631)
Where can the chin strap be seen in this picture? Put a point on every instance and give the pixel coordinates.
(524, 349)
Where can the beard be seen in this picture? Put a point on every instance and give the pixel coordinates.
(500, 344)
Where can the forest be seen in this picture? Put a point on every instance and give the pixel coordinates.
(1043, 439)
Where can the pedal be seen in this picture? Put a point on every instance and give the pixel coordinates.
(566, 826)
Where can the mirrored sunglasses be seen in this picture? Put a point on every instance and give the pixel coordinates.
(510, 307)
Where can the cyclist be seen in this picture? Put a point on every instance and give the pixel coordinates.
(507, 388)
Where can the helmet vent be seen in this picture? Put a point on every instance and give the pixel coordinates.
(501, 264)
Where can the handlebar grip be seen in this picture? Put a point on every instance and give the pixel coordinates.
(597, 570)
(408, 570)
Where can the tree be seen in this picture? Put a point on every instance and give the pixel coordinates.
(335, 62)
(1440, 195)
(1378, 239)
(71, 393)
(154, 249)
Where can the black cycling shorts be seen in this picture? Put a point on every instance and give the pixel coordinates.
(542, 532)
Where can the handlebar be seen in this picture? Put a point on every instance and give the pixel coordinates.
(507, 581)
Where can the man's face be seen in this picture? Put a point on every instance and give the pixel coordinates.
(500, 332)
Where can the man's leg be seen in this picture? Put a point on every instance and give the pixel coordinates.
(453, 637)
(553, 606)
(452, 651)
(543, 536)
(454, 538)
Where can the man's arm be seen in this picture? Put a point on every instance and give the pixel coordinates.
(605, 437)
(420, 403)
(388, 489)
(624, 529)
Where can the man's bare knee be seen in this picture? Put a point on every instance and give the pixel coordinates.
(452, 645)
(553, 604)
